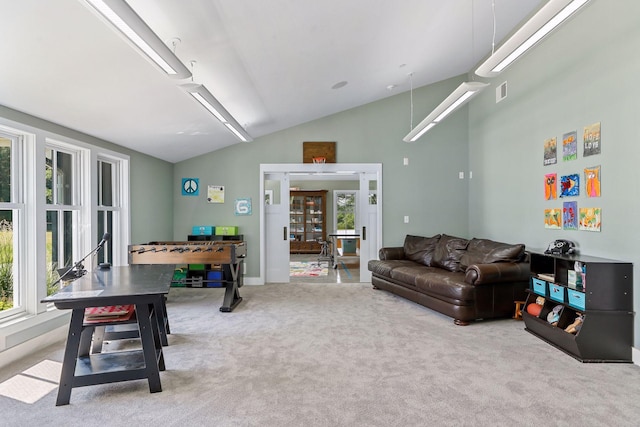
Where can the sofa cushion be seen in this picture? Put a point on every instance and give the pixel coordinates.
(407, 274)
(485, 251)
(420, 249)
(448, 252)
(384, 268)
(447, 286)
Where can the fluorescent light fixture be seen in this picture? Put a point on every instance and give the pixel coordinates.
(127, 21)
(550, 16)
(458, 97)
(212, 105)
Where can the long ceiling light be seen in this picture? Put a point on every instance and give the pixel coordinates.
(550, 16)
(458, 98)
(127, 21)
(212, 105)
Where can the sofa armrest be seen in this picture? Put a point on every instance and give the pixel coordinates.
(391, 253)
(499, 272)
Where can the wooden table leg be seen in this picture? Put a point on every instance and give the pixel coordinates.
(70, 357)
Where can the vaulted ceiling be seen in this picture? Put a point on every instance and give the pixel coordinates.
(272, 64)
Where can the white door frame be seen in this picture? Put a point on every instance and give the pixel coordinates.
(328, 171)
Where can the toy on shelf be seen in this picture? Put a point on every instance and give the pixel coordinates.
(576, 325)
(554, 315)
(535, 309)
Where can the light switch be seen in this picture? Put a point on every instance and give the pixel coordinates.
(405, 161)
(461, 175)
(406, 219)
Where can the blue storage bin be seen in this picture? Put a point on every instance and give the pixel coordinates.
(539, 287)
(556, 292)
(576, 299)
(214, 275)
(203, 230)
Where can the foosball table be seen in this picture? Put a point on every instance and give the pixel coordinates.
(228, 254)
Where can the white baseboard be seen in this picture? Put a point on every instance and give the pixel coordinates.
(33, 345)
(635, 355)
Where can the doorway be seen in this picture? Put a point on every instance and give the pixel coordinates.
(275, 182)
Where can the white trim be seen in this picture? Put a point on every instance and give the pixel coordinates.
(346, 171)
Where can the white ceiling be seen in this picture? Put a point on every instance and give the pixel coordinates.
(271, 63)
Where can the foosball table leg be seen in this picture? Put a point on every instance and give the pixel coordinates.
(231, 294)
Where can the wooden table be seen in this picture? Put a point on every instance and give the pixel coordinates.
(144, 286)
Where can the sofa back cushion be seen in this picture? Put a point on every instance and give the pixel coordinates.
(420, 249)
(485, 251)
(448, 252)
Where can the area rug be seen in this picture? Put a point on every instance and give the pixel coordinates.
(308, 269)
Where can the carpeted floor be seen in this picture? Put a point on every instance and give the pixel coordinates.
(336, 355)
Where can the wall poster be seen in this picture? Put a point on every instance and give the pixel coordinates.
(570, 215)
(553, 218)
(550, 152)
(570, 146)
(570, 185)
(590, 219)
(550, 186)
(592, 181)
(215, 194)
(591, 139)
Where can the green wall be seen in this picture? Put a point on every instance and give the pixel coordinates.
(428, 190)
(584, 73)
(150, 180)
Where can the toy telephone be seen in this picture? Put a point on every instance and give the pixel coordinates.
(561, 247)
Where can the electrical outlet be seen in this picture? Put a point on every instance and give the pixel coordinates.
(461, 175)
(405, 161)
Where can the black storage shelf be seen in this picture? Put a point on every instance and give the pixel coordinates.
(606, 333)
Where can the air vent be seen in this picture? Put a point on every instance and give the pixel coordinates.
(501, 92)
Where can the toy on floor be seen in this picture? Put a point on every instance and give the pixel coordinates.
(576, 325)
(554, 315)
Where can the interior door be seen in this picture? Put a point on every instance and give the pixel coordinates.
(368, 222)
(276, 186)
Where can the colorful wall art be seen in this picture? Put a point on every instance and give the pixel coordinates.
(570, 146)
(550, 151)
(570, 215)
(570, 185)
(590, 219)
(553, 218)
(550, 186)
(592, 181)
(591, 140)
(215, 194)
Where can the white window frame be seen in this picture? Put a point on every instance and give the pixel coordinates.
(336, 196)
(17, 206)
(33, 318)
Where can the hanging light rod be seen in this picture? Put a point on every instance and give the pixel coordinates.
(212, 105)
(458, 98)
(127, 21)
(550, 16)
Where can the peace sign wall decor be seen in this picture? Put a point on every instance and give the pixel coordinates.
(190, 186)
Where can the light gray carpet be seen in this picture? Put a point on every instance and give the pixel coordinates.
(343, 355)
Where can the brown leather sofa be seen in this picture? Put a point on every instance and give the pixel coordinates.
(464, 279)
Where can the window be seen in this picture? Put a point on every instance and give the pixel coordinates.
(344, 209)
(109, 204)
(63, 209)
(10, 209)
(49, 219)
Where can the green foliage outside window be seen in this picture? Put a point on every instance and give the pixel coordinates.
(6, 265)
